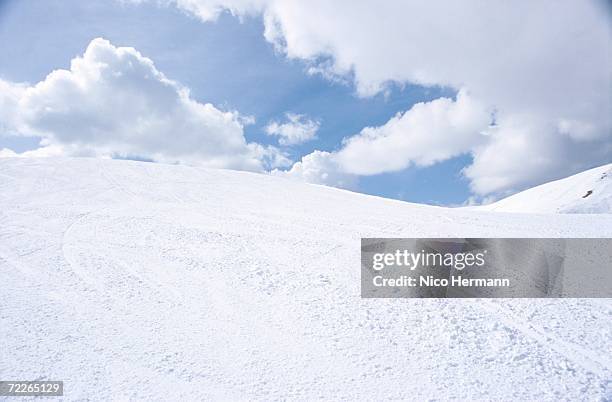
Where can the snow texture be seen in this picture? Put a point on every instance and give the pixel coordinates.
(132, 280)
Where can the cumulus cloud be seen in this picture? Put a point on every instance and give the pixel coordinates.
(427, 133)
(296, 130)
(10, 93)
(544, 66)
(319, 167)
(114, 102)
(540, 147)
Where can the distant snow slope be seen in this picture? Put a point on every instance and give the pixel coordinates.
(586, 192)
(132, 280)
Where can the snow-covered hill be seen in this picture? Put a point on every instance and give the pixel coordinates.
(132, 280)
(585, 192)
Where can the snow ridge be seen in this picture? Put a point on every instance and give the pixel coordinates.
(586, 192)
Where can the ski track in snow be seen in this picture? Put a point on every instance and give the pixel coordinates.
(148, 281)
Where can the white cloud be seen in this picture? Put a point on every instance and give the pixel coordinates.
(427, 133)
(209, 10)
(545, 67)
(296, 130)
(114, 102)
(319, 167)
(270, 156)
(538, 147)
(10, 93)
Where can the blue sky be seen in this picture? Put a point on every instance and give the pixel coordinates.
(228, 63)
(551, 111)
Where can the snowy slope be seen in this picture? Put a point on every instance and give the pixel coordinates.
(585, 192)
(132, 280)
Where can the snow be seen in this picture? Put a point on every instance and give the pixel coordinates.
(133, 280)
(585, 192)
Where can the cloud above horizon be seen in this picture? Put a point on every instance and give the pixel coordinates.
(319, 167)
(297, 129)
(113, 102)
(429, 132)
(541, 70)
